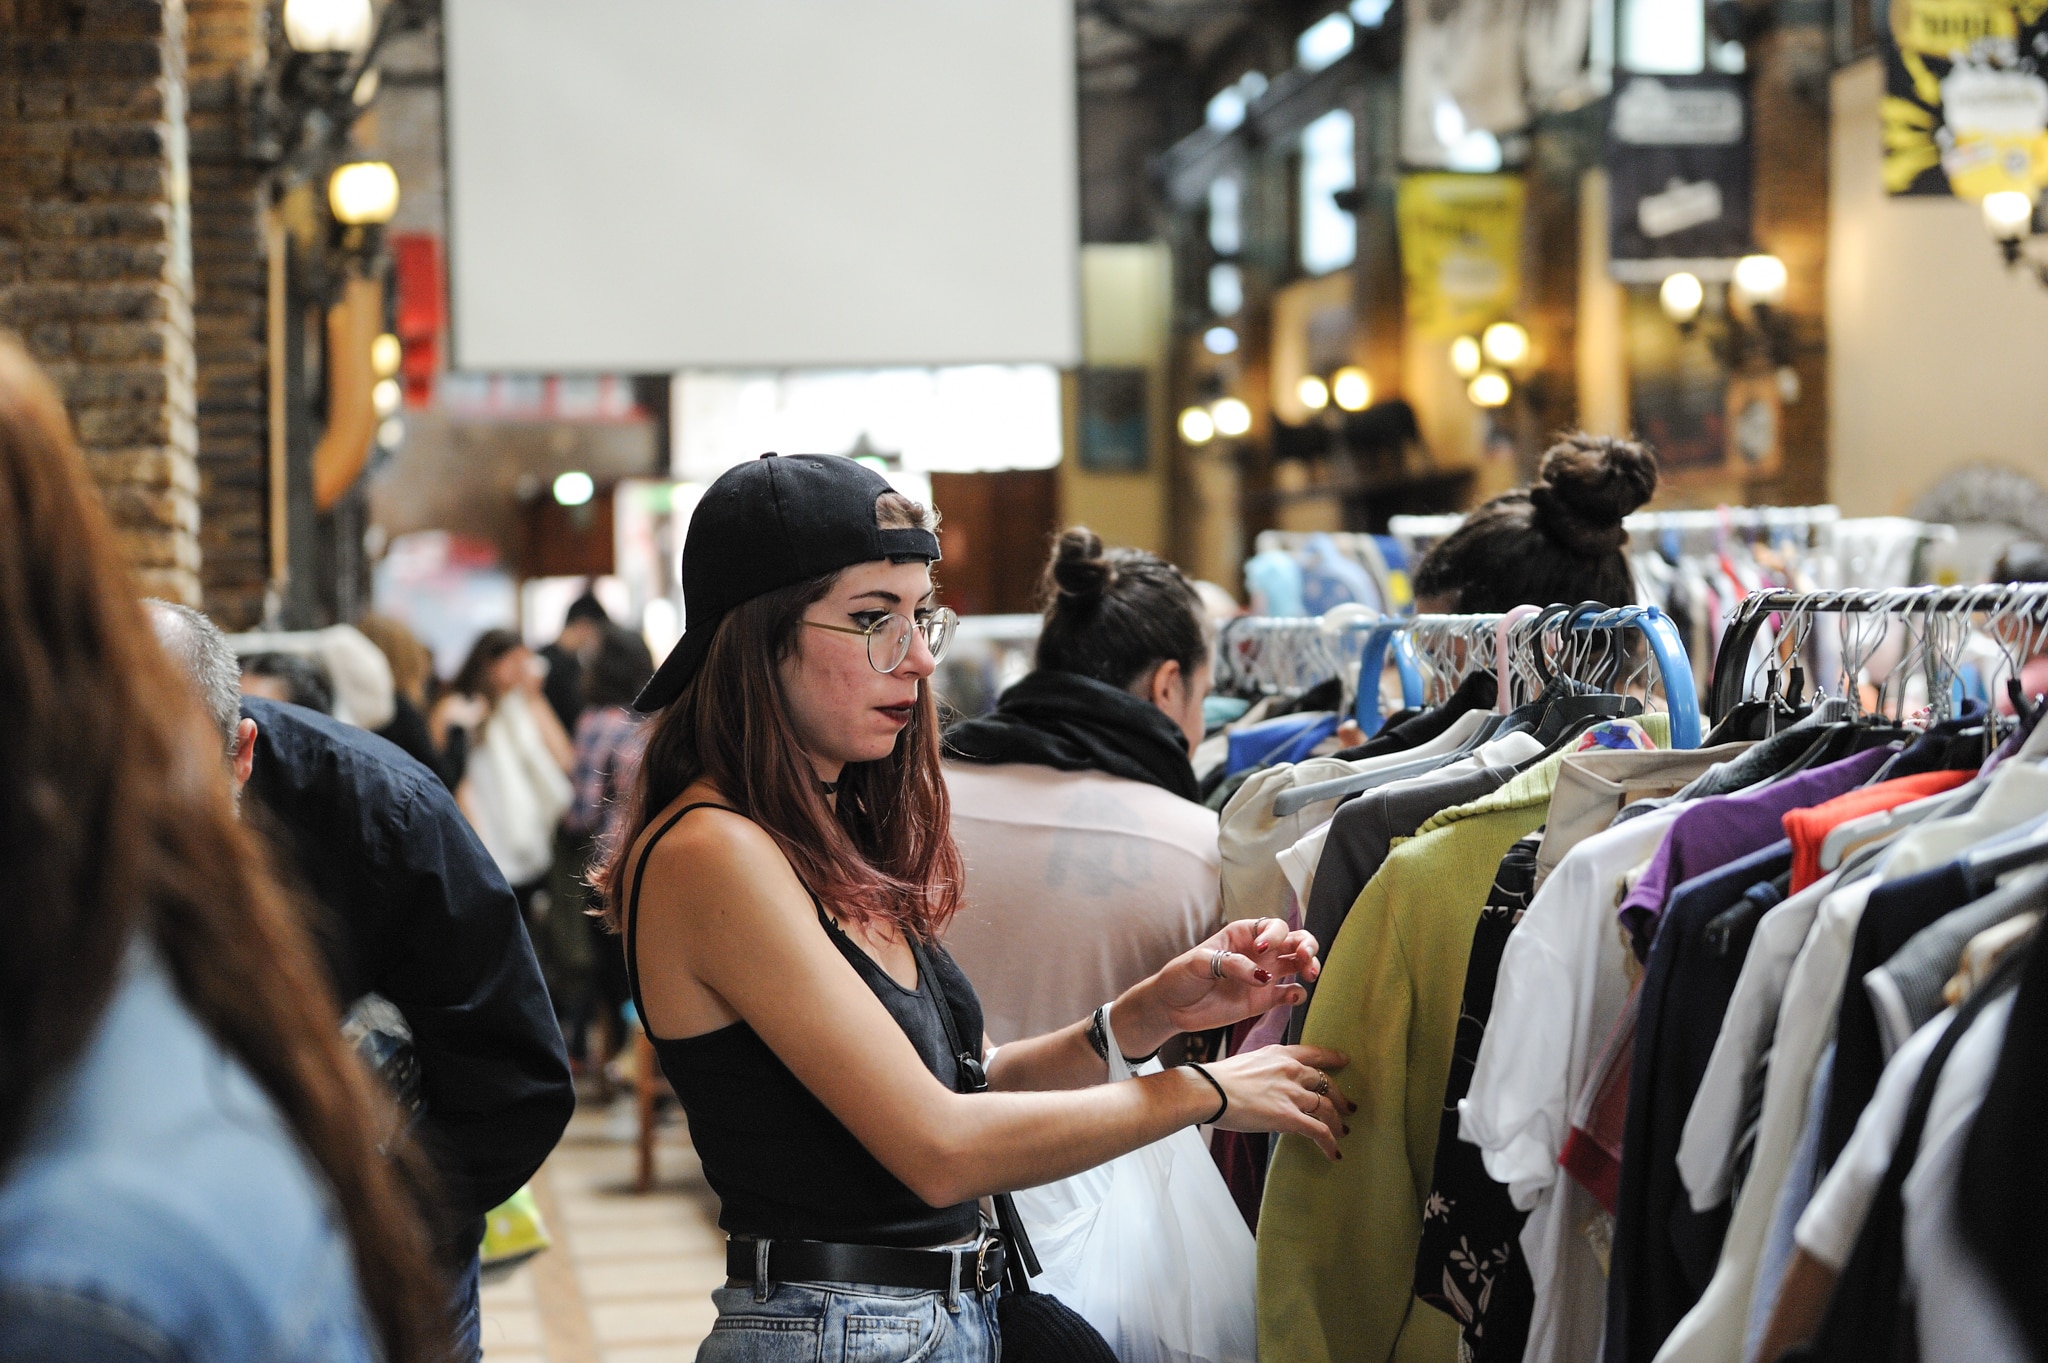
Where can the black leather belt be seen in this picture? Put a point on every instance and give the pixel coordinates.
(972, 1268)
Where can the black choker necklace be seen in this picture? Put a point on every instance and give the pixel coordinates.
(829, 787)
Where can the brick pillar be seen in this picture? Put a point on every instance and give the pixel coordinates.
(95, 253)
(226, 43)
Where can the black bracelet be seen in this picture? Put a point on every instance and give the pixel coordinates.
(1098, 1039)
(1098, 1034)
(1225, 1103)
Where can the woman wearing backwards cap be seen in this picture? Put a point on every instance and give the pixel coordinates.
(784, 873)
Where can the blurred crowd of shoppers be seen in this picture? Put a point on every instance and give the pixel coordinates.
(538, 748)
(219, 858)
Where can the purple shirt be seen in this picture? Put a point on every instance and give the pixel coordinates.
(1717, 830)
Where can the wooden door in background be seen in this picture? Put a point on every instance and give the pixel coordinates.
(997, 532)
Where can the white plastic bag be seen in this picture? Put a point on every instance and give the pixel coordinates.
(1151, 1249)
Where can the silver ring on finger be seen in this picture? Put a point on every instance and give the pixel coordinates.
(1216, 964)
(1323, 1089)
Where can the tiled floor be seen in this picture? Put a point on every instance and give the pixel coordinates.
(629, 1279)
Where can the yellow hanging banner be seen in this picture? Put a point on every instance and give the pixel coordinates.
(1965, 108)
(1461, 251)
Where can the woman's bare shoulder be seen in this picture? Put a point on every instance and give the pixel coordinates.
(711, 848)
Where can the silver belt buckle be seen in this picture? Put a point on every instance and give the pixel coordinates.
(982, 1282)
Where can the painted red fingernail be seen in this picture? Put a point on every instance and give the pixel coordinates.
(1263, 976)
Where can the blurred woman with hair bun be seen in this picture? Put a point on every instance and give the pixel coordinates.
(1075, 803)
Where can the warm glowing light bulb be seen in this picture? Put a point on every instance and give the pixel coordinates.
(1681, 296)
(1760, 280)
(386, 397)
(1351, 388)
(328, 25)
(1465, 357)
(2008, 215)
(1313, 392)
(574, 488)
(1489, 388)
(385, 354)
(1196, 426)
(1506, 343)
(363, 193)
(1231, 416)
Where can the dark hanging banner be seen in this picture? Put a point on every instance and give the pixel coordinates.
(1678, 167)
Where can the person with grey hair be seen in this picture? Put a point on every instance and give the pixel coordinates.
(415, 911)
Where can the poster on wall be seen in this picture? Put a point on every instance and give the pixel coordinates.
(1678, 164)
(1965, 102)
(1461, 244)
(1115, 436)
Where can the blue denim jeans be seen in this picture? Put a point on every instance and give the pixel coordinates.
(853, 1322)
(465, 1314)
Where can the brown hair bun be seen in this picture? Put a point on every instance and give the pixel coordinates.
(1079, 570)
(1587, 486)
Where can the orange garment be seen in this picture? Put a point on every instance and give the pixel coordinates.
(1809, 828)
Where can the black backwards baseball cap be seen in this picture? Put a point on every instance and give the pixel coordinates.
(771, 523)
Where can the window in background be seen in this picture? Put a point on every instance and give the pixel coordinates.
(1226, 289)
(1226, 216)
(1370, 13)
(1473, 151)
(1324, 42)
(1329, 234)
(909, 423)
(1663, 37)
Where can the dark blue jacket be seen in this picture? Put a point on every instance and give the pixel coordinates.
(411, 907)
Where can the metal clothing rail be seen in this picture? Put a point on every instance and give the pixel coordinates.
(1297, 652)
(1410, 530)
(2022, 604)
(1518, 640)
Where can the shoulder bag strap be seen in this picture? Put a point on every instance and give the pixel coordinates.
(1022, 1263)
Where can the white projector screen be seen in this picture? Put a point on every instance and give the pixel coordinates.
(642, 186)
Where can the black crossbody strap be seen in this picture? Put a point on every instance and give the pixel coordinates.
(1022, 1265)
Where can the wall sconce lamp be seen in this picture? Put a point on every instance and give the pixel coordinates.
(343, 26)
(1682, 296)
(363, 194)
(1484, 362)
(1505, 343)
(2013, 219)
(1351, 388)
(1490, 388)
(1760, 281)
(1231, 416)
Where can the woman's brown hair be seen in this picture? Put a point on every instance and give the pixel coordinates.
(885, 855)
(116, 821)
(1561, 539)
(411, 664)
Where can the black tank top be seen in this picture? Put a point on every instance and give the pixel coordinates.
(782, 1165)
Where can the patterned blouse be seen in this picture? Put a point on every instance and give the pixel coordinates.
(1470, 1263)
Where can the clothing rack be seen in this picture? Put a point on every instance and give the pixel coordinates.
(1416, 532)
(1938, 621)
(1451, 647)
(1272, 654)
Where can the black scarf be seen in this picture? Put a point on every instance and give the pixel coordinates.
(1074, 723)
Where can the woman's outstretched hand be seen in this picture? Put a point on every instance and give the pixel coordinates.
(1247, 969)
(1286, 1088)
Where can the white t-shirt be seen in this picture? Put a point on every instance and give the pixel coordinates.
(1079, 885)
(1959, 1314)
(1562, 985)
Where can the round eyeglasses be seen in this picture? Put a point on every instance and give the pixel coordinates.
(889, 637)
